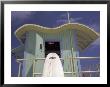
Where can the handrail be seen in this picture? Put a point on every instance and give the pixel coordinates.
(61, 58)
(89, 71)
(74, 72)
(87, 57)
(35, 59)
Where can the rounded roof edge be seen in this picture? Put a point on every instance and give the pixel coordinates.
(83, 31)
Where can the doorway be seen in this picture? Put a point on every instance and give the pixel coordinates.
(52, 47)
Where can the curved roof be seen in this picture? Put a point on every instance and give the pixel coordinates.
(85, 35)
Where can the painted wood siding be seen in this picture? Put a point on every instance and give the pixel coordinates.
(39, 54)
(29, 53)
(67, 45)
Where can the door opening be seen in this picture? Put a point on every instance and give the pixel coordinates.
(52, 47)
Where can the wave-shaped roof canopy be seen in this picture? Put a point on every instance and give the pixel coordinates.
(85, 35)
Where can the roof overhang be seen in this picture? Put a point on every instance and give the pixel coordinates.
(85, 35)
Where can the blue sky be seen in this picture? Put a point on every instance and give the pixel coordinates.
(54, 19)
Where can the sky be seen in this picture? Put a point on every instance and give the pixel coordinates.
(54, 19)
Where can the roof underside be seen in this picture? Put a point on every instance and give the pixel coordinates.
(85, 35)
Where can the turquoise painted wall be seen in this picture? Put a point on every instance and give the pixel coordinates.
(29, 53)
(32, 50)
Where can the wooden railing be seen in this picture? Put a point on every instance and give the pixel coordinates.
(86, 73)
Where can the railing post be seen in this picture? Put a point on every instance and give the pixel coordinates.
(19, 71)
(33, 67)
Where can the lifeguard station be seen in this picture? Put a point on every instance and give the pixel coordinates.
(65, 40)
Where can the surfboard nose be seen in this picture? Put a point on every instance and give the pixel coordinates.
(53, 66)
(52, 56)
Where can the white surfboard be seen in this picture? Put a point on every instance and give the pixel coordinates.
(53, 66)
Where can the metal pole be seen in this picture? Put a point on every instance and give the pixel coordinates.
(72, 65)
(68, 17)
